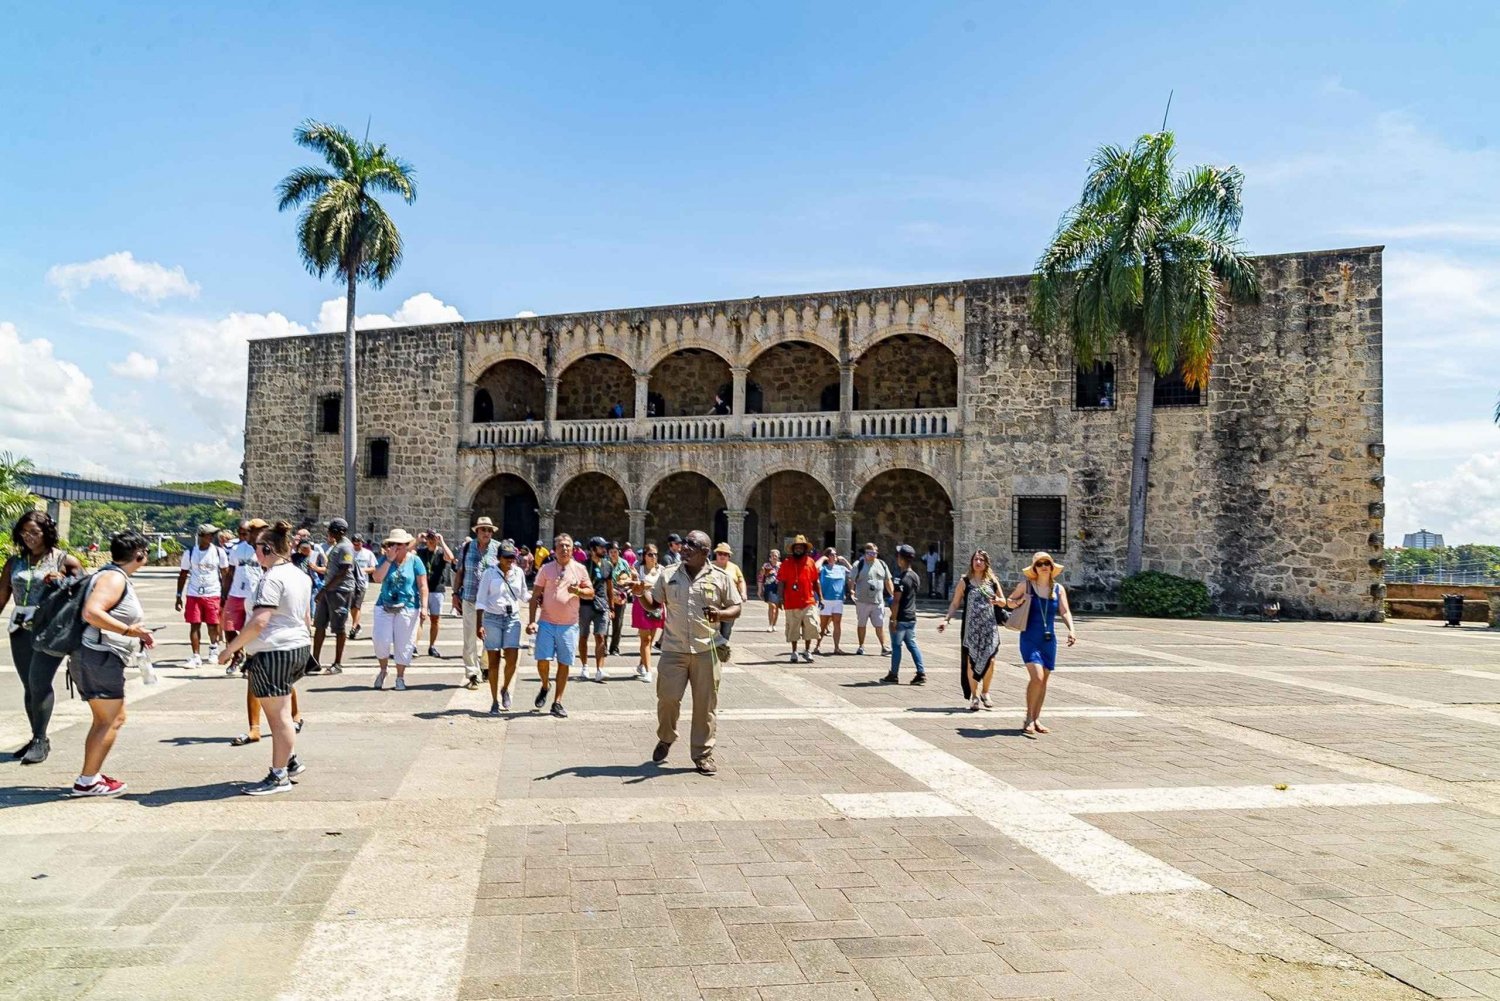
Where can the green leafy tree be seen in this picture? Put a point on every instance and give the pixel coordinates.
(344, 229)
(15, 497)
(1153, 257)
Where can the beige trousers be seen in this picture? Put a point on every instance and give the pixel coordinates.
(674, 673)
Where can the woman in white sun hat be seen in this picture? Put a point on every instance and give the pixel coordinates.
(401, 607)
(1043, 599)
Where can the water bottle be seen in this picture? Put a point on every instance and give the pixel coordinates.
(148, 671)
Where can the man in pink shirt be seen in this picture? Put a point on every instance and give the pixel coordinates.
(560, 585)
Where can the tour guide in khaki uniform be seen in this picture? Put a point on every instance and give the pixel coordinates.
(695, 597)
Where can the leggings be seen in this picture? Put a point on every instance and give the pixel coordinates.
(36, 670)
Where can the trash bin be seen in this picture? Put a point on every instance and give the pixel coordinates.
(1453, 609)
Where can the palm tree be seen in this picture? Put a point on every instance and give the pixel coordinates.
(1151, 256)
(16, 497)
(345, 230)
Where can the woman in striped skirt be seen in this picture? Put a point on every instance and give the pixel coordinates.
(278, 643)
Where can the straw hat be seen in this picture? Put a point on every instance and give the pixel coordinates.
(483, 522)
(801, 540)
(1030, 571)
(398, 536)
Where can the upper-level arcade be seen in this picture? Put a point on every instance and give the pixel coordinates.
(876, 363)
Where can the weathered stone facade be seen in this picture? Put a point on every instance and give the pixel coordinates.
(1270, 487)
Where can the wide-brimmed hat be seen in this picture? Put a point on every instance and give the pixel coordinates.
(1030, 571)
(398, 536)
(483, 523)
(256, 523)
(800, 540)
(723, 547)
(207, 528)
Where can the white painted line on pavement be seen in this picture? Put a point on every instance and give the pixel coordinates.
(878, 805)
(1152, 800)
(660, 809)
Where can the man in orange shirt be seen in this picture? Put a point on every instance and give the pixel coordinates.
(800, 597)
(560, 585)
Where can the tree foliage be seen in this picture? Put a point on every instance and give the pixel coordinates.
(15, 497)
(1163, 595)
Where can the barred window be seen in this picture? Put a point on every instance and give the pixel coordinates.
(1038, 523)
(379, 466)
(328, 413)
(1172, 390)
(1094, 387)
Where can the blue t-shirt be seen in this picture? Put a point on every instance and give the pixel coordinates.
(400, 584)
(832, 579)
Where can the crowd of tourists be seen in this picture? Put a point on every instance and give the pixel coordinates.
(270, 598)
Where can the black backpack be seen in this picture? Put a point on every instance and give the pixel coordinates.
(58, 625)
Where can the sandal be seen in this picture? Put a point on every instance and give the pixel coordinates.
(244, 739)
(1037, 725)
(296, 726)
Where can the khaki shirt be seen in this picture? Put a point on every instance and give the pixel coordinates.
(684, 598)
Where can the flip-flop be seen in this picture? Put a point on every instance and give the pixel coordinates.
(244, 739)
(1039, 728)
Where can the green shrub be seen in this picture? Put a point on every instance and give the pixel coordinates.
(1163, 596)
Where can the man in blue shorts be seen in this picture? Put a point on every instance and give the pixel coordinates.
(560, 588)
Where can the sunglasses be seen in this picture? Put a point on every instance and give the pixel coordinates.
(1042, 563)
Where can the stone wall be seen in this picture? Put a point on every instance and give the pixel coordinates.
(792, 377)
(681, 503)
(515, 387)
(591, 386)
(904, 506)
(687, 381)
(792, 503)
(906, 372)
(592, 504)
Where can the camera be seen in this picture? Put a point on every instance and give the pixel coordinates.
(1048, 637)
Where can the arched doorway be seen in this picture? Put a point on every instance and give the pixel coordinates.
(788, 504)
(906, 372)
(592, 504)
(511, 503)
(685, 383)
(509, 391)
(591, 387)
(683, 503)
(905, 506)
(791, 377)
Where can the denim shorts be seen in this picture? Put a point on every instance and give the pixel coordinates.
(502, 632)
(555, 642)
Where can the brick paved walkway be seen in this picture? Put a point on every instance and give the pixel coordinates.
(860, 841)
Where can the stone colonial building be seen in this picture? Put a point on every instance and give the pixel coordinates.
(930, 414)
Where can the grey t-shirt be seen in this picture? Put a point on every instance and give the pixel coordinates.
(342, 555)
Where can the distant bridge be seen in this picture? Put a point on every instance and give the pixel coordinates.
(67, 488)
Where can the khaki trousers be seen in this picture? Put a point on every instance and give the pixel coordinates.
(674, 673)
(471, 638)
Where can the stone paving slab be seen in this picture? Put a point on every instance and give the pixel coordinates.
(1447, 749)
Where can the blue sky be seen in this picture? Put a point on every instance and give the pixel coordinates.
(599, 155)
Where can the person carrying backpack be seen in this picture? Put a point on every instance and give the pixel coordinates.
(36, 563)
(116, 629)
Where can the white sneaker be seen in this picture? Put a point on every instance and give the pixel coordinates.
(974, 704)
(400, 684)
(194, 661)
(641, 672)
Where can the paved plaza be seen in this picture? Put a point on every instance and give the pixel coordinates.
(1224, 810)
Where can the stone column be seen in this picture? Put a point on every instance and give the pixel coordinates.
(739, 374)
(544, 518)
(637, 526)
(735, 517)
(548, 428)
(846, 400)
(1494, 600)
(61, 512)
(843, 531)
(640, 428)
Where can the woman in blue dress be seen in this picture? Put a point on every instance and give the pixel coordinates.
(1048, 600)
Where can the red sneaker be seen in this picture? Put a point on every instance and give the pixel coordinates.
(105, 786)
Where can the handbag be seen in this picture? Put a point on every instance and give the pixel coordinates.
(1016, 621)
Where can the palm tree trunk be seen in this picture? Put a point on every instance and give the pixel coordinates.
(351, 438)
(1140, 458)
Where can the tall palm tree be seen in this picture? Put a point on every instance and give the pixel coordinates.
(345, 230)
(1153, 257)
(16, 497)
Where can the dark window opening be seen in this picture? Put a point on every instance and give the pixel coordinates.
(1038, 523)
(1172, 390)
(755, 398)
(484, 406)
(829, 402)
(380, 458)
(328, 414)
(1094, 387)
(656, 405)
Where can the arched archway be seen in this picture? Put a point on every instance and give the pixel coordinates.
(906, 372)
(511, 503)
(682, 503)
(787, 504)
(685, 382)
(791, 377)
(592, 504)
(589, 389)
(509, 391)
(904, 506)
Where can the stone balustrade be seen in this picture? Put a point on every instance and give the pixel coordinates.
(687, 428)
(606, 432)
(862, 424)
(508, 433)
(904, 423)
(762, 426)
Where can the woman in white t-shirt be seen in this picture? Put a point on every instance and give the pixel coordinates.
(278, 643)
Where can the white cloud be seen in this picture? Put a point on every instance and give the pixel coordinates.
(1462, 232)
(424, 307)
(1463, 506)
(525, 314)
(142, 279)
(1438, 300)
(135, 366)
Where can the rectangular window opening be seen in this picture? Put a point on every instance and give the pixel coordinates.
(380, 458)
(329, 408)
(1094, 387)
(1172, 390)
(1039, 523)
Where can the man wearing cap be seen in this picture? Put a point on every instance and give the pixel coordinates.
(872, 588)
(904, 618)
(695, 597)
(497, 611)
(478, 553)
(799, 597)
(332, 604)
(243, 573)
(201, 582)
(593, 616)
(673, 555)
(722, 554)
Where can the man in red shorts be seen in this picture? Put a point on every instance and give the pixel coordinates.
(201, 583)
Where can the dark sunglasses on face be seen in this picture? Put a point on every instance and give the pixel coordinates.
(1044, 563)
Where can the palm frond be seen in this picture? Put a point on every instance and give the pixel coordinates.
(300, 185)
(332, 142)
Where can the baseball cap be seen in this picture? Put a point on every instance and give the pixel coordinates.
(506, 552)
(338, 525)
(674, 537)
(207, 528)
(598, 540)
(907, 551)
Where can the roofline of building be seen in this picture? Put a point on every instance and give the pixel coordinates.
(761, 300)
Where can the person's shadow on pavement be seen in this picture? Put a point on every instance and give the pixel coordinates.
(630, 774)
